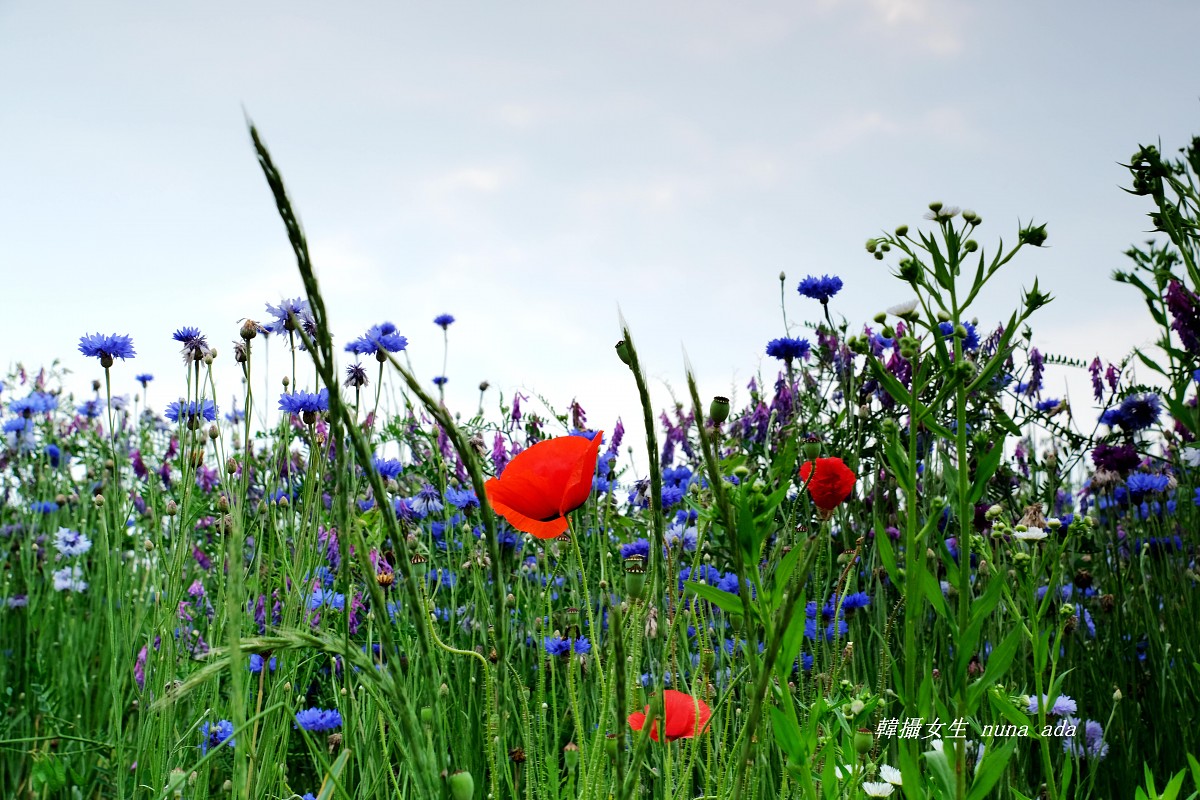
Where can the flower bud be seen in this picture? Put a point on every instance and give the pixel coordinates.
(571, 755)
(623, 352)
(462, 785)
(901, 231)
(610, 746)
(864, 739)
(718, 410)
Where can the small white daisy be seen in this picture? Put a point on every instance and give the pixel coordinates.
(890, 774)
(878, 789)
(1030, 535)
(903, 309)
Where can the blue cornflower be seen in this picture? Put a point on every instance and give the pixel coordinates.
(678, 532)
(379, 339)
(440, 380)
(856, 600)
(557, 645)
(43, 506)
(461, 498)
(53, 454)
(970, 341)
(1063, 706)
(638, 547)
(1140, 411)
(191, 411)
(1048, 405)
(443, 320)
(728, 583)
(35, 403)
(216, 735)
(90, 408)
(582, 646)
(1141, 482)
(1112, 417)
(304, 402)
(71, 543)
(143, 379)
(787, 350)
(427, 501)
(821, 288)
(195, 346)
(284, 312)
(318, 719)
(256, 663)
(106, 347)
(388, 468)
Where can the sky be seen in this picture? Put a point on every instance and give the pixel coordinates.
(538, 170)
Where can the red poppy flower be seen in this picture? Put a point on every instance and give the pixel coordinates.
(679, 714)
(543, 484)
(831, 484)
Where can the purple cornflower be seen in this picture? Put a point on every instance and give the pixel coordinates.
(256, 663)
(1140, 483)
(1117, 458)
(143, 379)
(356, 376)
(1140, 411)
(106, 347)
(1097, 381)
(318, 719)
(378, 341)
(427, 501)
(90, 408)
(787, 350)
(639, 547)
(821, 288)
(443, 321)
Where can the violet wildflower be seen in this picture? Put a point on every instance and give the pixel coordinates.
(821, 288)
(90, 408)
(440, 380)
(443, 321)
(106, 347)
(1097, 381)
(1037, 367)
(1140, 411)
(1185, 308)
(143, 379)
(427, 501)
(1093, 745)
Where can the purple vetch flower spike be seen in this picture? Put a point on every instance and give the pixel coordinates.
(1112, 376)
(1185, 308)
(1037, 367)
(1097, 383)
(499, 454)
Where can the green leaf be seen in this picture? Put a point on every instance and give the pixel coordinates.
(335, 773)
(729, 603)
(990, 769)
(787, 733)
(998, 664)
(986, 469)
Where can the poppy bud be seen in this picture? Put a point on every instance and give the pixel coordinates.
(811, 448)
(635, 577)
(718, 410)
(864, 739)
(462, 785)
(610, 746)
(623, 352)
(571, 754)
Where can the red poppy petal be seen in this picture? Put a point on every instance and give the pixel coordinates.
(579, 483)
(685, 714)
(831, 482)
(637, 721)
(522, 492)
(542, 529)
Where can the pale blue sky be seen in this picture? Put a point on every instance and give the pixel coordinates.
(529, 167)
